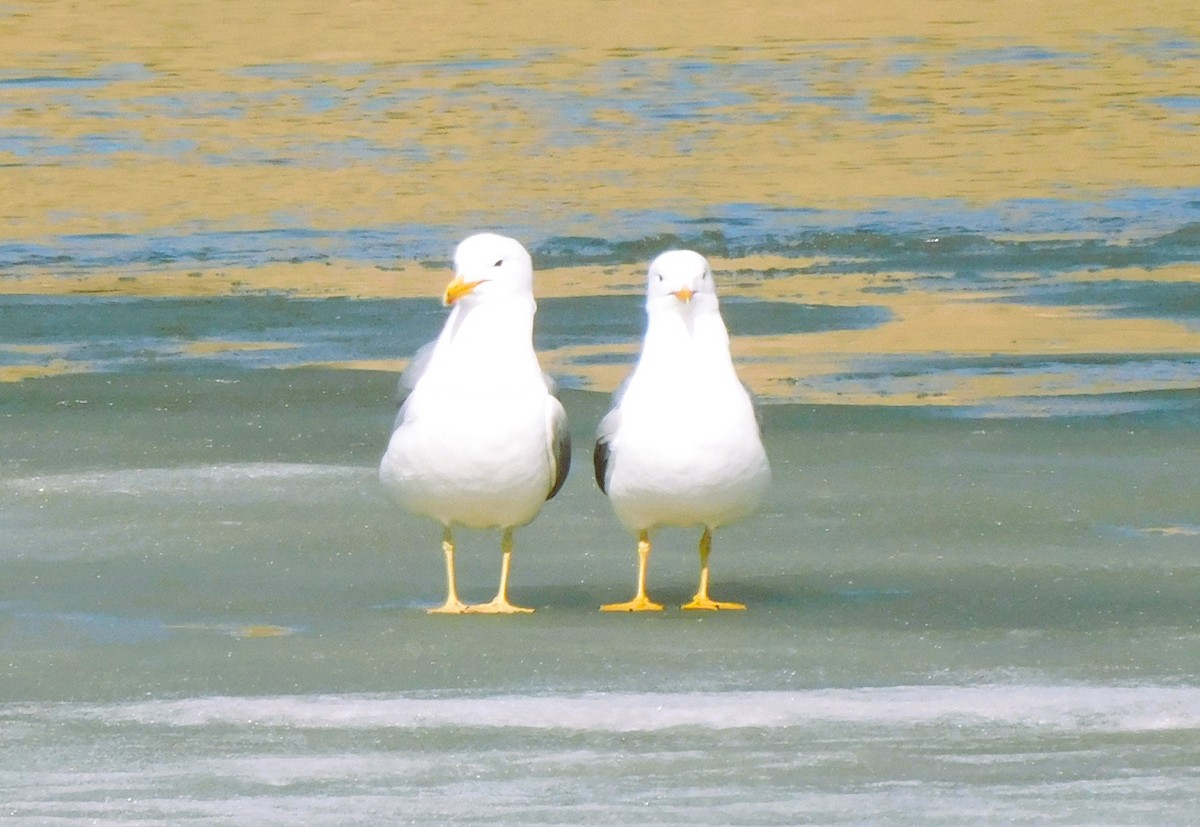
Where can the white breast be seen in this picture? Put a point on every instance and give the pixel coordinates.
(472, 445)
(687, 451)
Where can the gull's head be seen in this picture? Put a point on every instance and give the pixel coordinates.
(680, 278)
(488, 266)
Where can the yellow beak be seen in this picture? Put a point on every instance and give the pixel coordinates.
(683, 294)
(458, 288)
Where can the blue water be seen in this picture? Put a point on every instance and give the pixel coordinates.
(1053, 270)
(1137, 228)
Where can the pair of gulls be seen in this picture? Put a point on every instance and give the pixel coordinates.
(481, 439)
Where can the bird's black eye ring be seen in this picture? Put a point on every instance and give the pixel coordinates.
(660, 278)
(499, 261)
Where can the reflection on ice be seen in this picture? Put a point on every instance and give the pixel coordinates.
(163, 481)
(1090, 708)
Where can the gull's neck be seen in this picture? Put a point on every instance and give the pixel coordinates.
(490, 344)
(686, 341)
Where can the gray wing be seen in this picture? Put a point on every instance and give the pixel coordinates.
(603, 452)
(605, 432)
(415, 370)
(409, 378)
(756, 407)
(560, 444)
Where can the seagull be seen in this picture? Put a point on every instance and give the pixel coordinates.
(681, 445)
(481, 439)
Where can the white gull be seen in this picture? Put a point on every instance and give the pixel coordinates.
(681, 445)
(481, 440)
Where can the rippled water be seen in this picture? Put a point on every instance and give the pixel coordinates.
(958, 249)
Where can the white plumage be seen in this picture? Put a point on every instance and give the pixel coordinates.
(681, 445)
(480, 441)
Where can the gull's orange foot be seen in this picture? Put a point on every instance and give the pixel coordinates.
(638, 604)
(705, 604)
(498, 606)
(450, 607)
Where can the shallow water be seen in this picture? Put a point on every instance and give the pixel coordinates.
(958, 250)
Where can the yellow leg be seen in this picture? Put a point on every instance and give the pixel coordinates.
(640, 602)
(500, 604)
(702, 600)
(452, 606)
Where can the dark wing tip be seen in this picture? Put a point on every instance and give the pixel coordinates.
(560, 445)
(562, 461)
(600, 463)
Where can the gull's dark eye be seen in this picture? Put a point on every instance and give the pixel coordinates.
(660, 278)
(499, 261)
